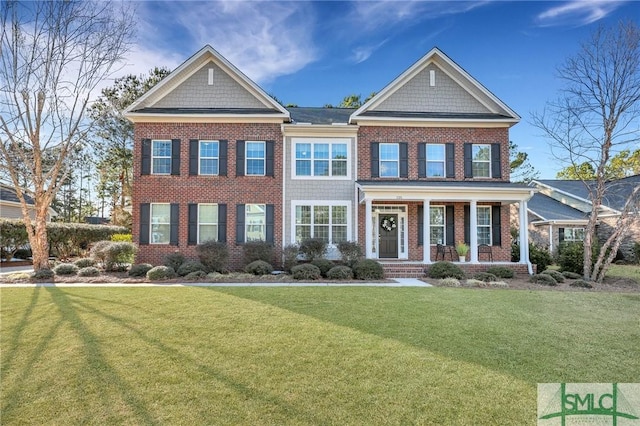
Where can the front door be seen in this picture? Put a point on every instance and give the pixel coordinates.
(388, 236)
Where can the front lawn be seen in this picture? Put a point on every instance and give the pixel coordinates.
(304, 355)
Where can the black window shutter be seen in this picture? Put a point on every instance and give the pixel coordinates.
(145, 219)
(222, 223)
(375, 156)
(422, 158)
(420, 225)
(450, 156)
(222, 162)
(561, 234)
(270, 223)
(175, 222)
(146, 158)
(175, 157)
(269, 163)
(467, 224)
(468, 169)
(496, 164)
(239, 223)
(194, 145)
(240, 158)
(496, 225)
(192, 238)
(450, 226)
(404, 159)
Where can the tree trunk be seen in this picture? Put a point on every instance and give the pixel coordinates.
(39, 243)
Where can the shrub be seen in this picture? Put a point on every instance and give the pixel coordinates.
(99, 251)
(290, 256)
(555, 274)
(42, 274)
(571, 275)
(636, 252)
(544, 279)
(368, 269)
(119, 255)
(122, 238)
(537, 255)
(340, 272)
(501, 271)
(139, 270)
(160, 273)
(350, 252)
(85, 262)
(324, 265)
(213, 256)
(485, 276)
(195, 275)
(66, 239)
(13, 235)
(174, 260)
(445, 270)
(258, 267)
(313, 248)
(306, 271)
(89, 271)
(190, 266)
(581, 283)
(258, 250)
(66, 269)
(449, 282)
(474, 283)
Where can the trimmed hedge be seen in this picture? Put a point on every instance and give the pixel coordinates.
(544, 279)
(485, 277)
(324, 265)
(340, 272)
(159, 273)
(501, 271)
(213, 255)
(350, 252)
(368, 269)
(190, 266)
(259, 267)
(85, 262)
(446, 270)
(89, 271)
(306, 271)
(571, 275)
(66, 269)
(581, 283)
(258, 250)
(114, 256)
(555, 274)
(140, 270)
(174, 260)
(42, 274)
(313, 248)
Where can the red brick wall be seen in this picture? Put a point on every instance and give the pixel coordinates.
(185, 189)
(415, 135)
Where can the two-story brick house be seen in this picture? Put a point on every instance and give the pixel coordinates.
(426, 159)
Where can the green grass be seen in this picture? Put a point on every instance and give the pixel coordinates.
(624, 271)
(304, 355)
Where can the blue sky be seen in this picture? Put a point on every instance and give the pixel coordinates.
(313, 53)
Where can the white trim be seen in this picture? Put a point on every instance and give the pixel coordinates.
(312, 142)
(170, 157)
(380, 160)
(246, 159)
(316, 203)
(137, 117)
(391, 209)
(448, 193)
(489, 162)
(208, 158)
(427, 161)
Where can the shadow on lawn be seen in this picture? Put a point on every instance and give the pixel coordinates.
(105, 373)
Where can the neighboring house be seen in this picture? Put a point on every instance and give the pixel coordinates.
(10, 206)
(559, 212)
(426, 159)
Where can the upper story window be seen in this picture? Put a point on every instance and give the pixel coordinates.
(389, 160)
(573, 234)
(320, 159)
(437, 225)
(255, 158)
(207, 222)
(209, 155)
(161, 157)
(481, 160)
(484, 225)
(160, 223)
(255, 222)
(435, 158)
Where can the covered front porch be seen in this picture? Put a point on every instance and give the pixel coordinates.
(399, 216)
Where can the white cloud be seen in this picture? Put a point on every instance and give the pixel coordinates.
(577, 12)
(362, 53)
(263, 39)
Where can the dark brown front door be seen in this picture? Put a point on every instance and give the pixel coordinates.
(388, 232)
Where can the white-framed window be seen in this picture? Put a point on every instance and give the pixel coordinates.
(327, 221)
(389, 160)
(484, 225)
(574, 234)
(437, 225)
(207, 222)
(435, 157)
(209, 156)
(255, 222)
(481, 160)
(320, 158)
(160, 230)
(255, 154)
(161, 157)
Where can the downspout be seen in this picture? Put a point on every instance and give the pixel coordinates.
(284, 183)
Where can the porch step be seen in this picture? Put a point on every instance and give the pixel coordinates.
(403, 270)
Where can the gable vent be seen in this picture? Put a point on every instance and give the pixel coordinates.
(432, 78)
(210, 76)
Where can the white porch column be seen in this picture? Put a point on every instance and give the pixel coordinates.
(367, 228)
(524, 237)
(426, 233)
(473, 231)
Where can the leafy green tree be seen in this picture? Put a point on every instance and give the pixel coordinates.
(584, 171)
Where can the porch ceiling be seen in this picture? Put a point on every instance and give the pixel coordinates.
(407, 190)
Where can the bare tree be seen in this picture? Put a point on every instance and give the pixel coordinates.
(53, 55)
(596, 117)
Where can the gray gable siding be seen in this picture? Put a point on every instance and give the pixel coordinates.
(195, 92)
(417, 96)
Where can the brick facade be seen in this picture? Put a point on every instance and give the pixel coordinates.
(185, 189)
